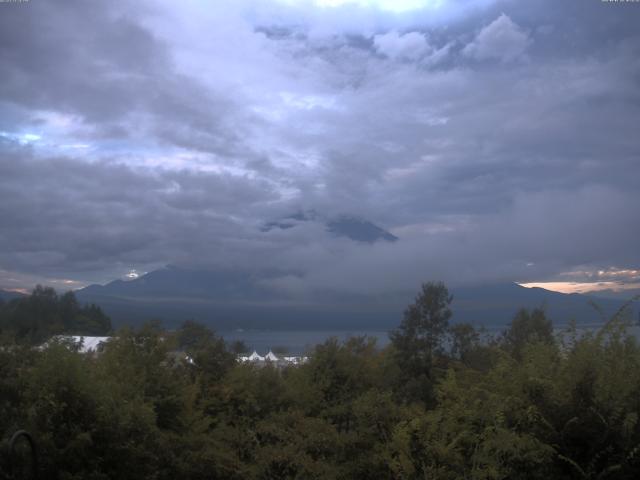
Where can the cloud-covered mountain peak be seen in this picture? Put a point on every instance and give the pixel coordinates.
(358, 229)
(349, 226)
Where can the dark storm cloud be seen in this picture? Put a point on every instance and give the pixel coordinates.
(497, 139)
(75, 56)
(97, 62)
(62, 216)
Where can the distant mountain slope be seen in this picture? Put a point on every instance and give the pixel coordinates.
(619, 294)
(496, 304)
(358, 230)
(348, 226)
(172, 282)
(228, 300)
(6, 295)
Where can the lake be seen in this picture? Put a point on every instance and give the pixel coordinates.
(298, 342)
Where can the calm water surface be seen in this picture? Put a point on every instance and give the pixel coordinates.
(297, 342)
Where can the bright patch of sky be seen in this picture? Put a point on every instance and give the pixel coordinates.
(308, 102)
(439, 10)
(16, 281)
(582, 287)
(21, 138)
(386, 5)
(49, 131)
(589, 280)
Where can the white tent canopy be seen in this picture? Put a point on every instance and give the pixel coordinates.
(254, 357)
(271, 357)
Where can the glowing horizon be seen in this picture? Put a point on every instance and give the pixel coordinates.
(581, 287)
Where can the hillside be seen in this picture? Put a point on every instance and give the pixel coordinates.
(227, 300)
(7, 295)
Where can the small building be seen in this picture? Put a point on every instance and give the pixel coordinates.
(254, 357)
(84, 343)
(272, 359)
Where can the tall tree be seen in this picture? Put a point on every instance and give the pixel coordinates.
(464, 339)
(420, 337)
(527, 327)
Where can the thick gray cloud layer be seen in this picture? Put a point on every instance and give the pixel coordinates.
(497, 139)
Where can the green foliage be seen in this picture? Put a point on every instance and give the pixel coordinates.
(191, 335)
(464, 342)
(164, 405)
(34, 319)
(526, 328)
(420, 338)
(238, 347)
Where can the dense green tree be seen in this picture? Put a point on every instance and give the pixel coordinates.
(69, 309)
(525, 328)
(192, 334)
(420, 338)
(464, 341)
(90, 320)
(238, 347)
(341, 372)
(37, 317)
(163, 405)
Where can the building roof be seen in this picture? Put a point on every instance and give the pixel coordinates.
(271, 357)
(254, 357)
(86, 343)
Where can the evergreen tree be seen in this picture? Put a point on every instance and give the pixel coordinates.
(527, 328)
(420, 337)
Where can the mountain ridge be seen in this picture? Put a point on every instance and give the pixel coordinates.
(239, 299)
(8, 295)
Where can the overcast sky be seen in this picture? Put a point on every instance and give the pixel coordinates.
(499, 140)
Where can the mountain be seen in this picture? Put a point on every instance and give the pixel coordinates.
(348, 226)
(496, 304)
(7, 295)
(182, 284)
(625, 294)
(223, 298)
(358, 230)
(232, 299)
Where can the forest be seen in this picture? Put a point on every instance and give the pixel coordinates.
(442, 401)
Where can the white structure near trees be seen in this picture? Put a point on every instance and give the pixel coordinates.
(84, 344)
(273, 359)
(254, 357)
(270, 357)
